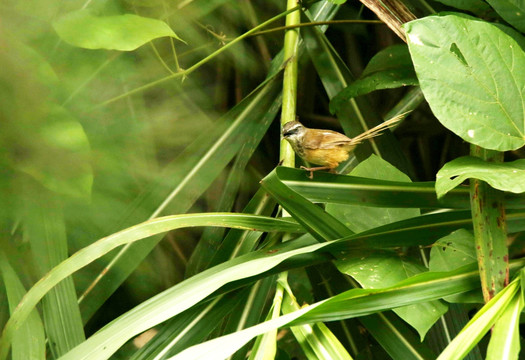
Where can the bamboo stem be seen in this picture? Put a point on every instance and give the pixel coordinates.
(490, 230)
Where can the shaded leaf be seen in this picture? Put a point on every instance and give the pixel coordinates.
(512, 11)
(503, 176)
(453, 251)
(119, 32)
(472, 74)
(29, 341)
(476, 6)
(390, 68)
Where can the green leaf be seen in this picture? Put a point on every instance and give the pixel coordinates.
(341, 189)
(453, 251)
(505, 339)
(141, 231)
(185, 179)
(472, 74)
(316, 340)
(476, 6)
(503, 176)
(352, 303)
(29, 340)
(375, 270)
(44, 227)
(390, 68)
(361, 217)
(119, 32)
(478, 326)
(512, 11)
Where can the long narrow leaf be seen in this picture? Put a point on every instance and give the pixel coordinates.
(103, 246)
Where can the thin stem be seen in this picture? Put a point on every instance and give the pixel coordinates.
(160, 58)
(318, 23)
(291, 41)
(194, 67)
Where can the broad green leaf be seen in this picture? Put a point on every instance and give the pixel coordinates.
(476, 6)
(390, 68)
(452, 251)
(512, 11)
(29, 341)
(361, 217)
(119, 32)
(251, 312)
(502, 176)
(472, 74)
(478, 326)
(505, 339)
(376, 270)
(382, 270)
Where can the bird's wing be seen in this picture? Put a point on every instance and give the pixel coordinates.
(324, 139)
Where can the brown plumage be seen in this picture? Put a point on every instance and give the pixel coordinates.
(326, 147)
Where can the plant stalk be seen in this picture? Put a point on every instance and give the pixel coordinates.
(490, 230)
(291, 41)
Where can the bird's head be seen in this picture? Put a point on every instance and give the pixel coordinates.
(293, 131)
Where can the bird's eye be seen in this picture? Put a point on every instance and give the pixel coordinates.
(290, 132)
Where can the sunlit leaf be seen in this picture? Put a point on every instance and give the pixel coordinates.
(118, 32)
(503, 176)
(472, 74)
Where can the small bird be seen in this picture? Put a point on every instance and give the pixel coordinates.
(326, 147)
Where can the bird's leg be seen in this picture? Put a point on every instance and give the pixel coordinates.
(312, 169)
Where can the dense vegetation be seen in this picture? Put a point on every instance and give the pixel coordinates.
(151, 210)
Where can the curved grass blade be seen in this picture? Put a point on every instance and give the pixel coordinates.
(318, 222)
(29, 341)
(352, 303)
(340, 189)
(188, 177)
(141, 231)
(44, 226)
(481, 323)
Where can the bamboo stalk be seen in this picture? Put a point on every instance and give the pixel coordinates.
(490, 230)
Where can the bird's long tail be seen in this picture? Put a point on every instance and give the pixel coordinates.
(375, 131)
